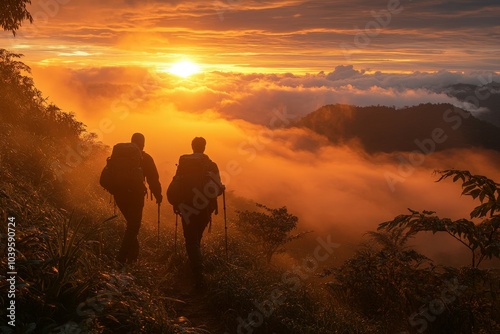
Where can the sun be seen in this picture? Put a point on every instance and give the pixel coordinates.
(184, 68)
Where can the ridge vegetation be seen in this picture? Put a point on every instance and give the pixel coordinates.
(387, 129)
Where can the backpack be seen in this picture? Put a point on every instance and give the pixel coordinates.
(123, 170)
(195, 184)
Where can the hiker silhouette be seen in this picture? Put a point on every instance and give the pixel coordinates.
(193, 194)
(124, 177)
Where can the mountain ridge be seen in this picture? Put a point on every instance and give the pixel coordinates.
(486, 98)
(387, 129)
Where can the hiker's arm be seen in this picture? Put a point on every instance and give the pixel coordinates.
(152, 177)
(214, 169)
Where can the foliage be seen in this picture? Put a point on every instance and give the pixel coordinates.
(269, 228)
(383, 280)
(22, 104)
(342, 123)
(66, 279)
(477, 186)
(245, 289)
(403, 291)
(40, 143)
(13, 13)
(17, 89)
(483, 239)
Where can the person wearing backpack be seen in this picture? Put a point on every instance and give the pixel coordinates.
(123, 177)
(193, 194)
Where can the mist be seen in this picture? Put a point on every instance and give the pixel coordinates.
(94, 92)
(332, 189)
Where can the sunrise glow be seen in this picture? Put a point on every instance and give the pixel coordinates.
(184, 69)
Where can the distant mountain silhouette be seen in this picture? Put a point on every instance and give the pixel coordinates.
(426, 127)
(487, 96)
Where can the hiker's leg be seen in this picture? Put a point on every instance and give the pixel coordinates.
(190, 239)
(122, 202)
(198, 265)
(135, 224)
(131, 207)
(193, 231)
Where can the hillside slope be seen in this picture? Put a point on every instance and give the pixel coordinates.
(62, 238)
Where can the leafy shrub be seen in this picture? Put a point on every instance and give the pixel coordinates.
(269, 229)
(400, 289)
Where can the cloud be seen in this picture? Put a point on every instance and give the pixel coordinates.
(93, 92)
(245, 118)
(344, 72)
(301, 36)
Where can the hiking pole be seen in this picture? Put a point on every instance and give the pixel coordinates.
(225, 220)
(158, 225)
(175, 234)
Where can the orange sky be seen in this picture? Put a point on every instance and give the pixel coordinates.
(264, 36)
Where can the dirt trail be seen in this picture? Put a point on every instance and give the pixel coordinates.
(193, 309)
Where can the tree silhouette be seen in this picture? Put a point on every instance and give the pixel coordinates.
(482, 239)
(22, 104)
(19, 96)
(13, 13)
(269, 228)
